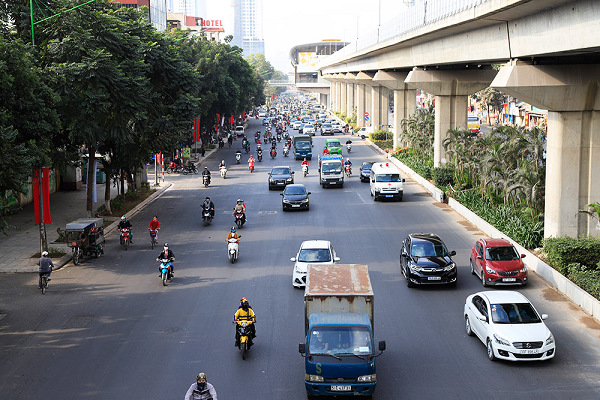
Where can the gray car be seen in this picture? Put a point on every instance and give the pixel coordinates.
(280, 177)
(326, 129)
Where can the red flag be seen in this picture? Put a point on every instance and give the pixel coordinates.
(46, 194)
(36, 196)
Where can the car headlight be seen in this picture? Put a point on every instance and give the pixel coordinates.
(289, 179)
(299, 270)
(367, 378)
(489, 270)
(501, 340)
(450, 267)
(415, 267)
(523, 270)
(271, 180)
(550, 339)
(286, 201)
(313, 378)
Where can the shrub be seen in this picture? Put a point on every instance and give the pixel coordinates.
(132, 195)
(564, 251)
(588, 280)
(380, 135)
(415, 161)
(116, 203)
(443, 176)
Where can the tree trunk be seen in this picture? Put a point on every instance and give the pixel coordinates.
(122, 186)
(90, 179)
(107, 186)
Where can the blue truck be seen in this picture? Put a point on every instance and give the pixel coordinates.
(302, 147)
(338, 351)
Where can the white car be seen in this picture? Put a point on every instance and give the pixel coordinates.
(311, 252)
(309, 129)
(239, 131)
(336, 127)
(508, 324)
(296, 125)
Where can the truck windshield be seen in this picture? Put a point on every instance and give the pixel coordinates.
(302, 145)
(332, 168)
(388, 177)
(340, 341)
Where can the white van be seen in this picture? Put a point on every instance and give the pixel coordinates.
(386, 182)
(364, 131)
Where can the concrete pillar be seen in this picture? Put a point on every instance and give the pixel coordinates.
(350, 91)
(571, 93)
(404, 98)
(360, 105)
(375, 112)
(385, 106)
(451, 90)
(343, 97)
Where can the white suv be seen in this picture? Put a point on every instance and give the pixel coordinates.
(311, 252)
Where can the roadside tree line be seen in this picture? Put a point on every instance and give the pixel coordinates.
(100, 78)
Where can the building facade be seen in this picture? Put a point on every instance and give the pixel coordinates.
(157, 14)
(248, 27)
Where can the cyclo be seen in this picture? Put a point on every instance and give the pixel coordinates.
(85, 237)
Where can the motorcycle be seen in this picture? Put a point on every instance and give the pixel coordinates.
(259, 155)
(273, 153)
(125, 237)
(238, 157)
(286, 151)
(348, 147)
(247, 147)
(207, 217)
(305, 170)
(223, 172)
(172, 167)
(206, 180)
(190, 169)
(244, 334)
(165, 270)
(278, 136)
(256, 137)
(233, 249)
(251, 167)
(153, 234)
(221, 144)
(239, 219)
(348, 170)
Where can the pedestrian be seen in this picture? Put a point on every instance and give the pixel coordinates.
(202, 150)
(201, 389)
(45, 264)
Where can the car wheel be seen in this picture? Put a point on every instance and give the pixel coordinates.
(468, 326)
(472, 269)
(409, 283)
(490, 351)
(483, 283)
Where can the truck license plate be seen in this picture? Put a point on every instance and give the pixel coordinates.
(341, 388)
(510, 279)
(434, 278)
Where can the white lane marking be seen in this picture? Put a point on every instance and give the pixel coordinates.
(361, 198)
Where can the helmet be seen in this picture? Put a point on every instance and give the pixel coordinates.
(348, 159)
(44, 253)
(166, 245)
(243, 300)
(222, 161)
(201, 375)
(122, 218)
(207, 198)
(205, 167)
(245, 303)
(233, 229)
(239, 201)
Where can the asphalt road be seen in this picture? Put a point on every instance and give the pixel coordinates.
(108, 329)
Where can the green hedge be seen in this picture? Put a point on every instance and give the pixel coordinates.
(415, 162)
(588, 280)
(443, 176)
(563, 252)
(381, 135)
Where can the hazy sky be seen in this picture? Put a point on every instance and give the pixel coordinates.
(287, 23)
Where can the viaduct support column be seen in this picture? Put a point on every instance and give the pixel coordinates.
(365, 81)
(385, 107)
(343, 97)
(404, 98)
(451, 90)
(571, 93)
(375, 106)
(351, 93)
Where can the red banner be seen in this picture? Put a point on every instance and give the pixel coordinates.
(196, 129)
(45, 195)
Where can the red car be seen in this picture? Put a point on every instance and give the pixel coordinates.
(497, 262)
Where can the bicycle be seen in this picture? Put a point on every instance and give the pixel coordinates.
(44, 285)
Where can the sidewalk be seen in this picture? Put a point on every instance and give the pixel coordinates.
(65, 206)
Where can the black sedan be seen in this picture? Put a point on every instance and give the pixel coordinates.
(365, 171)
(295, 197)
(424, 259)
(280, 177)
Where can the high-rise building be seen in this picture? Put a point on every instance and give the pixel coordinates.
(247, 26)
(157, 10)
(187, 7)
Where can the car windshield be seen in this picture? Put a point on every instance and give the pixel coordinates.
(331, 167)
(295, 190)
(314, 255)
(333, 144)
(340, 341)
(326, 125)
(302, 145)
(514, 313)
(502, 253)
(308, 126)
(428, 249)
(280, 171)
(388, 178)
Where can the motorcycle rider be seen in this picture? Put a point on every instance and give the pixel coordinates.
(45, 264)
(222, 164)
(201, 390)
(251, 162)
(208, 205)
(238, 152)
(304, 162)
(154, 226)
(325, 150)
(348, 142)
(245, 313)
(233, 235)
(240, 206)
(125, 224)
(168, 254)
(206, 172)
(348, 162)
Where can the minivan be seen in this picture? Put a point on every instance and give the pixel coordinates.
(386, 182)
